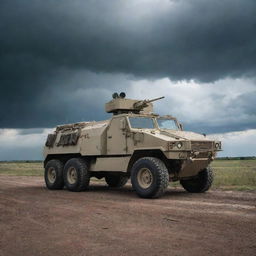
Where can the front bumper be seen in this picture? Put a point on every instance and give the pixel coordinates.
(191, 155)
(193, 150)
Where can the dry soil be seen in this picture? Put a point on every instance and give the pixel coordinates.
(103, 221)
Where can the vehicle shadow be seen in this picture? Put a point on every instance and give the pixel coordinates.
(127, 189)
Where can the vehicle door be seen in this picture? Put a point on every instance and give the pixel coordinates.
(116, 136)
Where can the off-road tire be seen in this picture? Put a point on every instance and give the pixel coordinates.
(116, 181)
(200, 183)
(159, 174)
(80, 167)
(56, 166)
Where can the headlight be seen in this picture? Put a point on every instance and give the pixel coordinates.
(218, 145)
(179, 145)
(175, 145)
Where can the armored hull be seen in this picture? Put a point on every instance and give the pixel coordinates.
(150, 149)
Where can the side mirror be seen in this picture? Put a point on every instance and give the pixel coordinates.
(122, 124)
(181, 126)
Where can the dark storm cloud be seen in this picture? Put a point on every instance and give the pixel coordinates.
(43, 41)
(198, 39)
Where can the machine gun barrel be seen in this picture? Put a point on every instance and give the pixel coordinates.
(148, 101)
(144, 103)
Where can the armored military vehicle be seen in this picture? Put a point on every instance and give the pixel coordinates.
(134, 143)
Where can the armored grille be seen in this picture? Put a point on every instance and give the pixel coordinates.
(203, 155)
(201, 145)
(69, 139)
(50, 140)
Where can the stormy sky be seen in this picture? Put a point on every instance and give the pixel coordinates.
(61, 60)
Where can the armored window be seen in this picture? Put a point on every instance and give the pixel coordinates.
(169, 124)
(141, 122)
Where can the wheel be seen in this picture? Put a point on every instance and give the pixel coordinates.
(149, 177)
(53, 174)
(76, 175)
(200, 183)
(116, 181)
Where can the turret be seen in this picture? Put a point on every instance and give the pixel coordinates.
(119, 105)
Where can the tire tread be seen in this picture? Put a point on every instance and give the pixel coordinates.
(116, 181)
(83, 175)
(59, 183)
(162, 177)
(205, 180)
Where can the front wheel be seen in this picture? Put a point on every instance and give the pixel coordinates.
(200, 183)
(149, 177)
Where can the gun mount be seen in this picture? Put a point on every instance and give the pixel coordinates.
(120, 105)
(140, 105)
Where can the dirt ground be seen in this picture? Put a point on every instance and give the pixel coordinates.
(103, 221)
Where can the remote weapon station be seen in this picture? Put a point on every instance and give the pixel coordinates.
(134, 143)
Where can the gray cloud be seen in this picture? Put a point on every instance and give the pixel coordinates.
(223, 106)
(52, 50)
(182, 39)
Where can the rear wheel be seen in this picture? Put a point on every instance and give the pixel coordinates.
(76, 175)
(53, 174)
(116, 181)
(200, 183)
(149, 177)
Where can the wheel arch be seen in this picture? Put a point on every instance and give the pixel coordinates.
(137, 154)
(62, 157)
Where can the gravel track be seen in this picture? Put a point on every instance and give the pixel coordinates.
(103, 221)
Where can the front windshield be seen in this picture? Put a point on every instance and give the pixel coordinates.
(169, 124)
(141, 122)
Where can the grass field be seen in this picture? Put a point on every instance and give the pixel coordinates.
(229, 174)
(235, 174)
(22, 168)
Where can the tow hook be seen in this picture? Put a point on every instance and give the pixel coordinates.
(194, 155)
(191, 160)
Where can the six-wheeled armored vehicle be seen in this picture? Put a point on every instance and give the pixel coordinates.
(134, 143)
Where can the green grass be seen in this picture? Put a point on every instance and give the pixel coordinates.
(21, 168)
(235, 174)
(229, 174)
